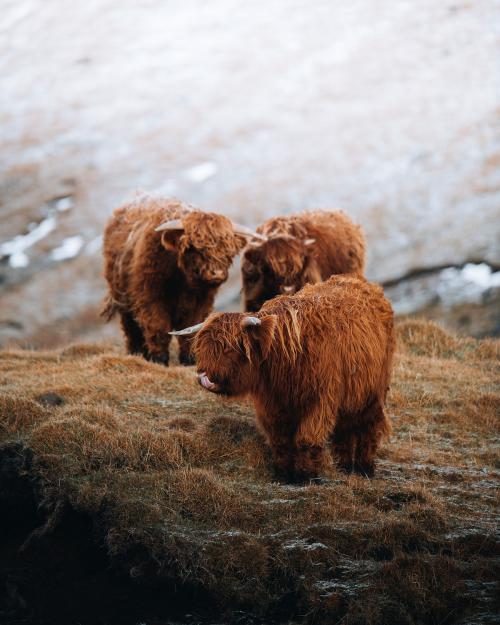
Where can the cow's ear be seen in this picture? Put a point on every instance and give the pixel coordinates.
(170, 239)
(241, 240)
(260, 334)
(253, 254)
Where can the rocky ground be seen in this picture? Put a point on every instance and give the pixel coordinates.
(388, 109)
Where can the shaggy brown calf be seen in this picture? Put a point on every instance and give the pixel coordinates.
(317, 366)
(298, 250)
(164, 262)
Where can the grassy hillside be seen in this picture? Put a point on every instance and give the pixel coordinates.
(142, 497)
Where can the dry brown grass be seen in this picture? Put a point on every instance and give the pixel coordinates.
(183, 478)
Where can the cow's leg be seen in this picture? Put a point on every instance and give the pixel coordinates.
(343, 442)
(133, 334)
(185, 355)
(279, 433)
(282, 449)
(155, 323)
(372, 425)
(310, 441)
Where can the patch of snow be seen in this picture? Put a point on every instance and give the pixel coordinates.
(466, 285)
(450, 287)
(94, 246)
(304, 545)
(314, 546)
(326, 584)
(200, 173)
(69, 248)
(16, 248)
(481, 274)
(18, 260)
(328, 587)
(289, 487)
(64, 204)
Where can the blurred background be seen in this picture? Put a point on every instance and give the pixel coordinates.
(388, 109)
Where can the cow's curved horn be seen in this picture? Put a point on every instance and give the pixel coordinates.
(309, 241)
(173, 224)
(281, 235)
(188, 331)
(239, 229)
(256, 242)
(250, 321)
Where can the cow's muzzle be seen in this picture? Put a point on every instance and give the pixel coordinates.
(215, 277)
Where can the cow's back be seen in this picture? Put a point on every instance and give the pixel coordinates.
(130, 229)
(339, 242)
(344, 342)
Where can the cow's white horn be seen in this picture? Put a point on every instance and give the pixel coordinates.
(173, 224)
(250, 321)
(281, 235)
(188, 331)
(239, 229)
(309, 241)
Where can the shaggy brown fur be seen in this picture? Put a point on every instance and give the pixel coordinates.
(164, 280)
(317, 368)
(300, 249)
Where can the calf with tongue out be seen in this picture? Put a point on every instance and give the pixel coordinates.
(317, 365)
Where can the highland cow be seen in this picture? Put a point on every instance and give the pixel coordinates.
(298, 250)
(317, 366)
(164, 262)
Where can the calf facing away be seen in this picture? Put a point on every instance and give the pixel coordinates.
(164, 262)
(317, 366)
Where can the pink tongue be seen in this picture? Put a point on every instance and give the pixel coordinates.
(205, 382)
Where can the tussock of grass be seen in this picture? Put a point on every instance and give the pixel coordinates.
(18, 413)
(426, 338)
(180, 483)
(84, 350)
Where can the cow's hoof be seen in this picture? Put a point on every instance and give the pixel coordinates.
(346, 467)
(280, 474)
(365, 469)
(160, 359)
(303, 478)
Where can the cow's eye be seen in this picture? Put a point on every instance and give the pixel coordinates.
(251, 275)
